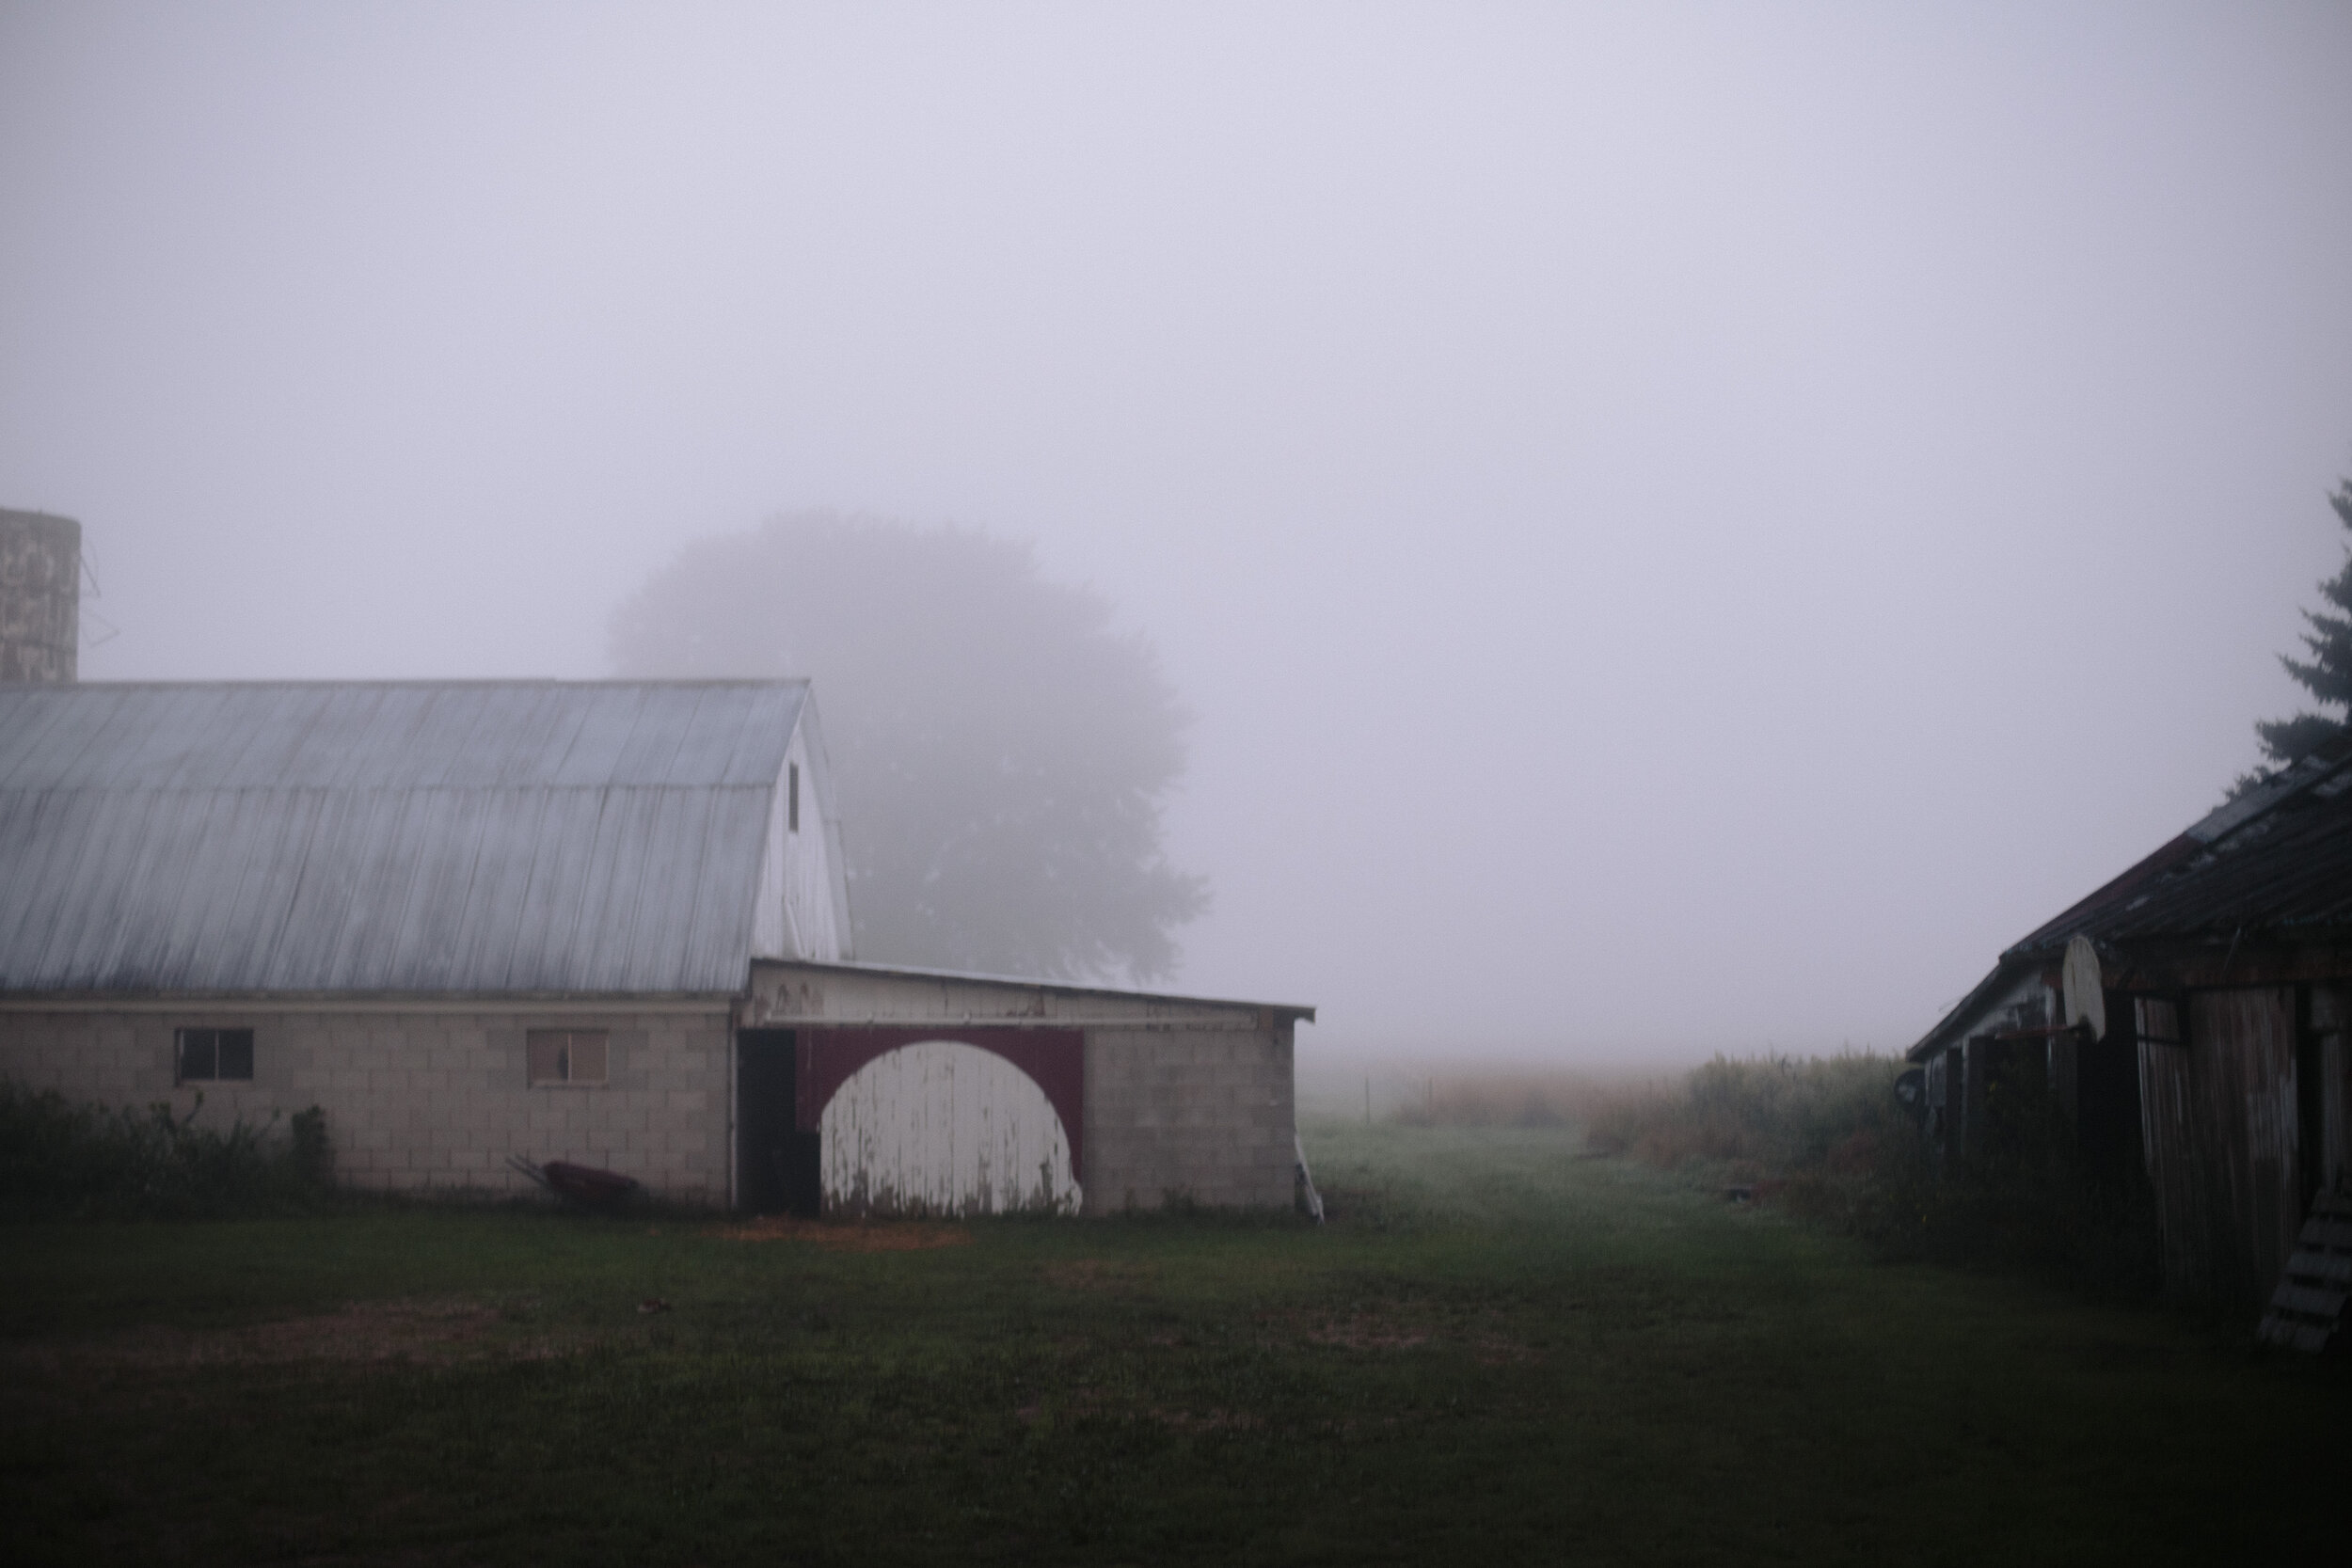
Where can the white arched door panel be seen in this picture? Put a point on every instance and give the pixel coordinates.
(944, 1127)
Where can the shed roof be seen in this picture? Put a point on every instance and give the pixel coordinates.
(2274, 862)
(2276, 859)
(410, 837)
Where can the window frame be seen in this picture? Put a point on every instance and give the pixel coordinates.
(564, 1063)
(209, 1039)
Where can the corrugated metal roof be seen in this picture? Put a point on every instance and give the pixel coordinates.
(427, 837)
(2276, 859)
(2276, 862)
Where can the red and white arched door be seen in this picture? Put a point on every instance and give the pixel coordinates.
(944, 1123)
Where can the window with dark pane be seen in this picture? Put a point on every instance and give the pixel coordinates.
(212, 1055)
(577, 1056)
(792, 797)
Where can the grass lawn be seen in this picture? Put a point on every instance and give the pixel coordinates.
(1496, 1349)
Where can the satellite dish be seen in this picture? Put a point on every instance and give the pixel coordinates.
(1911, 1088)
(2086, 997)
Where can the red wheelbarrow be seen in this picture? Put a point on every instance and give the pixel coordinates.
(585, 1185)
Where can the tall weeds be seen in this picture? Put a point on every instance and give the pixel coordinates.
(1520, 1099)
(59, 1159)
(1758, 1116)
(1826, 1138)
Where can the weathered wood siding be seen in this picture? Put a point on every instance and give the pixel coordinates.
(1960, 1069)
(2219, 1126)
(2173, 1172)
(2331, 1011)
(940, 1127)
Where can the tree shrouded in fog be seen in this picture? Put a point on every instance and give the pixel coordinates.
(2326, 674)
(1000, 754)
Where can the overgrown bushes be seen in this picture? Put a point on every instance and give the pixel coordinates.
(62, 1158)
(1758, 1118)
(1522, 1099)
(2027, 1198)
(1826, 1138)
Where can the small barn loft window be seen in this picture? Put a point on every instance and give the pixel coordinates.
(792, 797)
(212, 1055)
(568, 1057)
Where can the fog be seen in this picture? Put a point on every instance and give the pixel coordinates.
(1683, 528)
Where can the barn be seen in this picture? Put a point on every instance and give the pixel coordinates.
(599, 922)
(2188, 1019)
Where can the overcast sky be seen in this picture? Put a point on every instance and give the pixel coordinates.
(1686, 528)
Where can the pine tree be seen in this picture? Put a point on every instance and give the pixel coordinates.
(2326, 674)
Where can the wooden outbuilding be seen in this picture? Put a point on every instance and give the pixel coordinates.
(2189, 1017)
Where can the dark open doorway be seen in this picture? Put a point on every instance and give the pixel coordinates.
(2108, 1096)
(775, 1164)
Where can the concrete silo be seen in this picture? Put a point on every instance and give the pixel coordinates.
(40, 596)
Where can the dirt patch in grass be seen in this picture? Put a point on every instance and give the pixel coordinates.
(864, 1236)
(1097, 1274)
(1369, 1331)
(1378, 1329)
(1216, 1418)
(422, 1330)
(1096, 1404)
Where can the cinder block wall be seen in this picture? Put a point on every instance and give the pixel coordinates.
(423, 1099)
(1207, 1115)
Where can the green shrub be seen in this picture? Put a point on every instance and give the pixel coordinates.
(1756, 1117)
(58, 1158)
(312, 1152)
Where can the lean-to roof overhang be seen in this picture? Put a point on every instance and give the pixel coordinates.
(793, 992)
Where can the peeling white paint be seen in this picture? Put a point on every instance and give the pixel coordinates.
(944, 1127)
